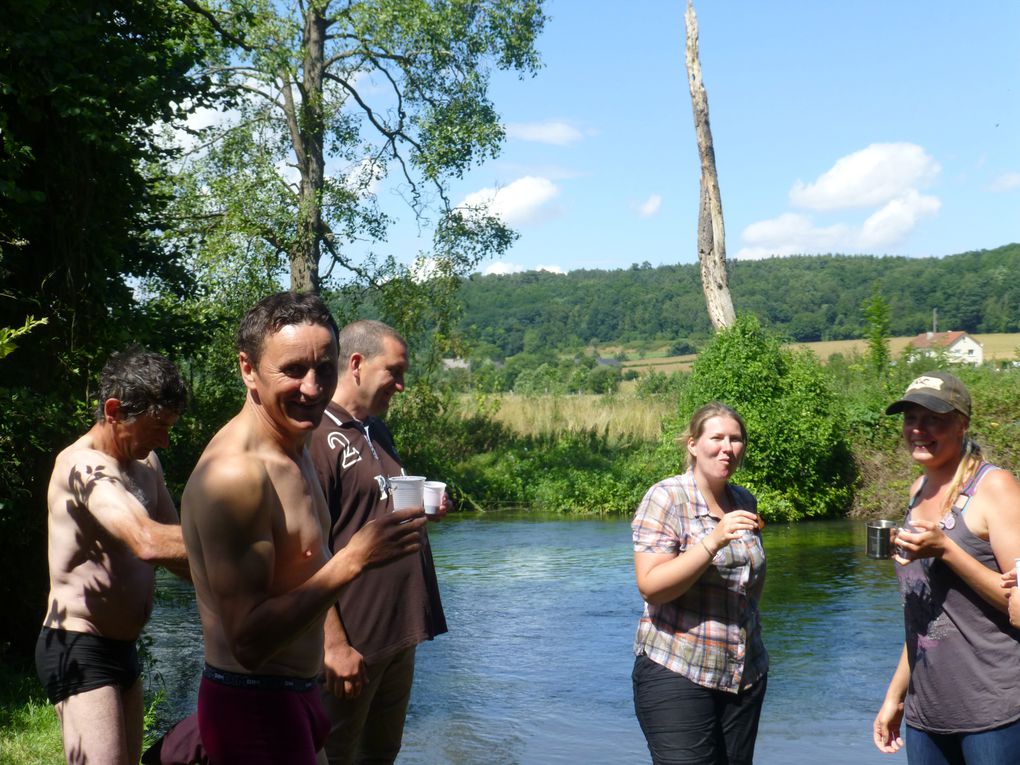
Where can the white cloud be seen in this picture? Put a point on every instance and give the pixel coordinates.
(555, 132)
(363, 178)
(790, 234)
(502, 267)
(896, 219)
(526, 200)
(795, 234)
(290, 174)
(1006, 182)
(884, 176)
(872, 176)
(650, 206)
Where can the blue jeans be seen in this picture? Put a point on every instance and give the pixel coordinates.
(1000, 746)
(686, 723)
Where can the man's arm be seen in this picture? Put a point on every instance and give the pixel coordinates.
(101, 490)
(343, 665)
(166, 512)
(235, 526)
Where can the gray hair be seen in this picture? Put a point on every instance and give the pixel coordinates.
(144, 382)
(365, 337)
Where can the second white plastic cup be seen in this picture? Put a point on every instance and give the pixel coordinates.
(434, 491)
(408, 491)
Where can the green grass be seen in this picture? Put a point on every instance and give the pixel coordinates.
(29, 729)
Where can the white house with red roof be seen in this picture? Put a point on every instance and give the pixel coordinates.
(959, 347)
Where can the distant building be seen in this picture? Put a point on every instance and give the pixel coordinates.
(959, 347)
(449, 364)
(604, 362)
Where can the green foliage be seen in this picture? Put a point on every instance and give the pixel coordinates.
(798, 459)
(660, 384)
(569, 472)
(682, 348)
(8, 336)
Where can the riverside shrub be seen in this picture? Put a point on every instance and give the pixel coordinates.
(798, 460)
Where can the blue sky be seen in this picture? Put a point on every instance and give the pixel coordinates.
(867, 127)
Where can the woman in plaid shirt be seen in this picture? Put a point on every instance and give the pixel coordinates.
(701, 668)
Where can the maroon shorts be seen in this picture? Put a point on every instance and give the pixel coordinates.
(260, 719)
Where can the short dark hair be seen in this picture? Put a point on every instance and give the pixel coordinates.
(365, 337)
(274, 312)
(144, 382)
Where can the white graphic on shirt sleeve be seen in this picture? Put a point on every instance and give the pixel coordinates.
(384, 486)
(350, 454)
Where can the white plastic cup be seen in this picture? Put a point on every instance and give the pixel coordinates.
(434, 491)
(407, 490)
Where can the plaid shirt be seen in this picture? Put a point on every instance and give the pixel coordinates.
(712, 633)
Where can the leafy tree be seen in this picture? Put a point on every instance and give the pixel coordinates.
(604, 379)
(876, 311)
(342, 94)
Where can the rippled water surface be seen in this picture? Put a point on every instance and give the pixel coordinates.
(542, 613)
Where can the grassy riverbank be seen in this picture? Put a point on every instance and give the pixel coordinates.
(29, 730)
(598, 453)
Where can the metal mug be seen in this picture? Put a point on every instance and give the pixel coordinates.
(880, 538)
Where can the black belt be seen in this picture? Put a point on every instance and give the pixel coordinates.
(263, 682)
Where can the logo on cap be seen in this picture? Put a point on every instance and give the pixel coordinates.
(925, 382)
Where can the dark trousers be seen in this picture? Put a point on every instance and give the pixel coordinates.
(686, 723)
(368, 730)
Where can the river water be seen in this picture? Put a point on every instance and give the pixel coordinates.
(542, 613)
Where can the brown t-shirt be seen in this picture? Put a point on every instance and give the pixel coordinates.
(391, 607)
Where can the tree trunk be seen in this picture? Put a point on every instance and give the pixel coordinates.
(310, 127)
(711, 234)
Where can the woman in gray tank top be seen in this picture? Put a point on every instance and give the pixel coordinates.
(957, 686)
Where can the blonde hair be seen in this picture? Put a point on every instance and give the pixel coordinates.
(697, 426)
(970, 461)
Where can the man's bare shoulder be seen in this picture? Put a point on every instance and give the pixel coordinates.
(232, 482)
(80, 467)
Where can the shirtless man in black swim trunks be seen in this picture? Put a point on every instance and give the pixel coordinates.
(256, 525)
(111, 521)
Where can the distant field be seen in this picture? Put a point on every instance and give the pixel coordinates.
(996, 346)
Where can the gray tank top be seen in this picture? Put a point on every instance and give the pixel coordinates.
(964, 656)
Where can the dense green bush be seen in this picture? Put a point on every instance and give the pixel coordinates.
(798, 460)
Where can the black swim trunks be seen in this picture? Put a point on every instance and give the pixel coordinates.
(74, 662)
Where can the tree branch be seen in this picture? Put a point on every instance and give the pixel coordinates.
(209, 16)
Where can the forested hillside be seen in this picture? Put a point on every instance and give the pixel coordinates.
(806, 297)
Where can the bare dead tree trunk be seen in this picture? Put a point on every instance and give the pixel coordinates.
(711, 234)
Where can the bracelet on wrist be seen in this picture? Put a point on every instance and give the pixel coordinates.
(711, 555)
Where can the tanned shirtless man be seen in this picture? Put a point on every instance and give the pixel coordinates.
(256, 529)
(111, 521)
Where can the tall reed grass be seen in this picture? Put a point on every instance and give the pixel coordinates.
(619, 416)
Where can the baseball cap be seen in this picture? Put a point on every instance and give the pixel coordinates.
(938, 391)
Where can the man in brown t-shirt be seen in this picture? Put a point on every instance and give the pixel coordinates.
(370, 637)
